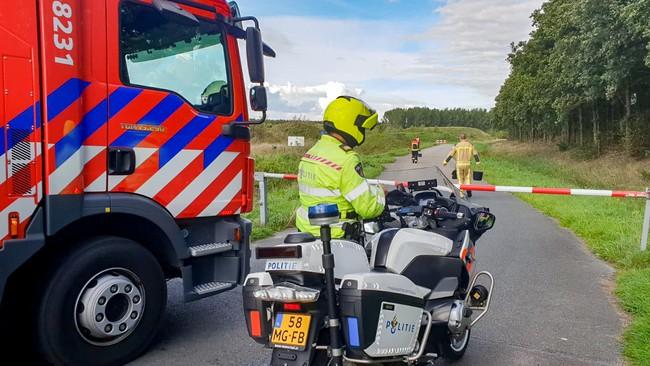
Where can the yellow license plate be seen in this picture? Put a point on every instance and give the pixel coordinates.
(291, 330)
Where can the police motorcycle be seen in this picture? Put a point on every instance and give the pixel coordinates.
(321, 301)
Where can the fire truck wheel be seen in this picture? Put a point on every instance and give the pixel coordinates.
(102, 304)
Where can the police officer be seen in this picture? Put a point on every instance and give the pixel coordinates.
(462, 153)
(331, 171)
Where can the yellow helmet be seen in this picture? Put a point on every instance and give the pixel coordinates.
(213, 90)
(349, 117)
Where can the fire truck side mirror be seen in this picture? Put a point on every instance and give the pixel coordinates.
(254, 55)
(258, 98)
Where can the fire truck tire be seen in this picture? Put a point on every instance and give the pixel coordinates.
(102, 304)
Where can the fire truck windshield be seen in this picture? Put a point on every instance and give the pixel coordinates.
(161, 53)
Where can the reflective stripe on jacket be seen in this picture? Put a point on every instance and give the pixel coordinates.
(332, 173)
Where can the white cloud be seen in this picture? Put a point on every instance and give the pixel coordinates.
(458, 61)
(306, 101)
(321, 50)
(325, 92)
(474, 37)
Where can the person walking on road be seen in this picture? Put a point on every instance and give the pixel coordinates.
(331, 171)
(462, 153)
(415, 150)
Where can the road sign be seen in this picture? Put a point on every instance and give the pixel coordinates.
(296, 141)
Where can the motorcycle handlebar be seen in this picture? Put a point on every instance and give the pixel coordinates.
(443, 213)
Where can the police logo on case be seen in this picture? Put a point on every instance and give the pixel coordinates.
(359, 170)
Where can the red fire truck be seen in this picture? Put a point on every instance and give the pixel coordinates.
(124, 162)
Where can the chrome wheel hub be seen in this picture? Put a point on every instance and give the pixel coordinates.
(459, 324)
(459, 341)
(109, 307)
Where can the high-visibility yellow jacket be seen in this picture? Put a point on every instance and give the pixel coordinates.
(330, 172)
(462, 153)
(415, 146)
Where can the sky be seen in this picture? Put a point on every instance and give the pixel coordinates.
(390, 53)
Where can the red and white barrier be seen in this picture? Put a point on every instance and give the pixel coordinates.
(556, 191)
(279, 176)
(295, 177)
(260, 177)
(491, 188)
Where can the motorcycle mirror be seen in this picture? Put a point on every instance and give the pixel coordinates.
(484, 221)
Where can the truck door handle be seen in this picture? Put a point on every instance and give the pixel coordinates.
(121, 161)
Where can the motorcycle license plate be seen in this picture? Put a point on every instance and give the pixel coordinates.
(291, 330)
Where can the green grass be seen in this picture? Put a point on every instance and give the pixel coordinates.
(610, 227)
(383, 145)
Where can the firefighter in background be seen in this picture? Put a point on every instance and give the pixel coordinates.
(415, 149)
(331, 171)
(462, 153)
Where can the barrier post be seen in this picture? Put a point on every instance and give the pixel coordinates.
(261, 180)
(646, 222)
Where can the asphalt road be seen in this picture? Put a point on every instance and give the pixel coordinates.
(551, 303)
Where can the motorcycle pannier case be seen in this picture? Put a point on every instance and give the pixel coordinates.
(381, 314)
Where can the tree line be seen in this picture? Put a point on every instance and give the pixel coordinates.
(425, 117)
(582, 78)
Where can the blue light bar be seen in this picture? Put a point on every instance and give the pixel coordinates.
(323, 210)
(323, 214)
(353, 332)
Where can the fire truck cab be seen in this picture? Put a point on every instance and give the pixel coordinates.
(124, 162)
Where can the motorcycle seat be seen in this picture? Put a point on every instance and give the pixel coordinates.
(393, 248)
(297, 238)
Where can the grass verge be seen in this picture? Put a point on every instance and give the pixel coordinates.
(272, 155)
(610, 227)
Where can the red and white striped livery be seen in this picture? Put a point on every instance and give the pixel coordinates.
(124, 161)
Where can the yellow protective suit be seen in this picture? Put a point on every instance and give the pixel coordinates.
(462, 153)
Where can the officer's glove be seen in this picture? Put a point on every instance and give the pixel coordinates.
(352, 231)
(478, 163)
(444, 163)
